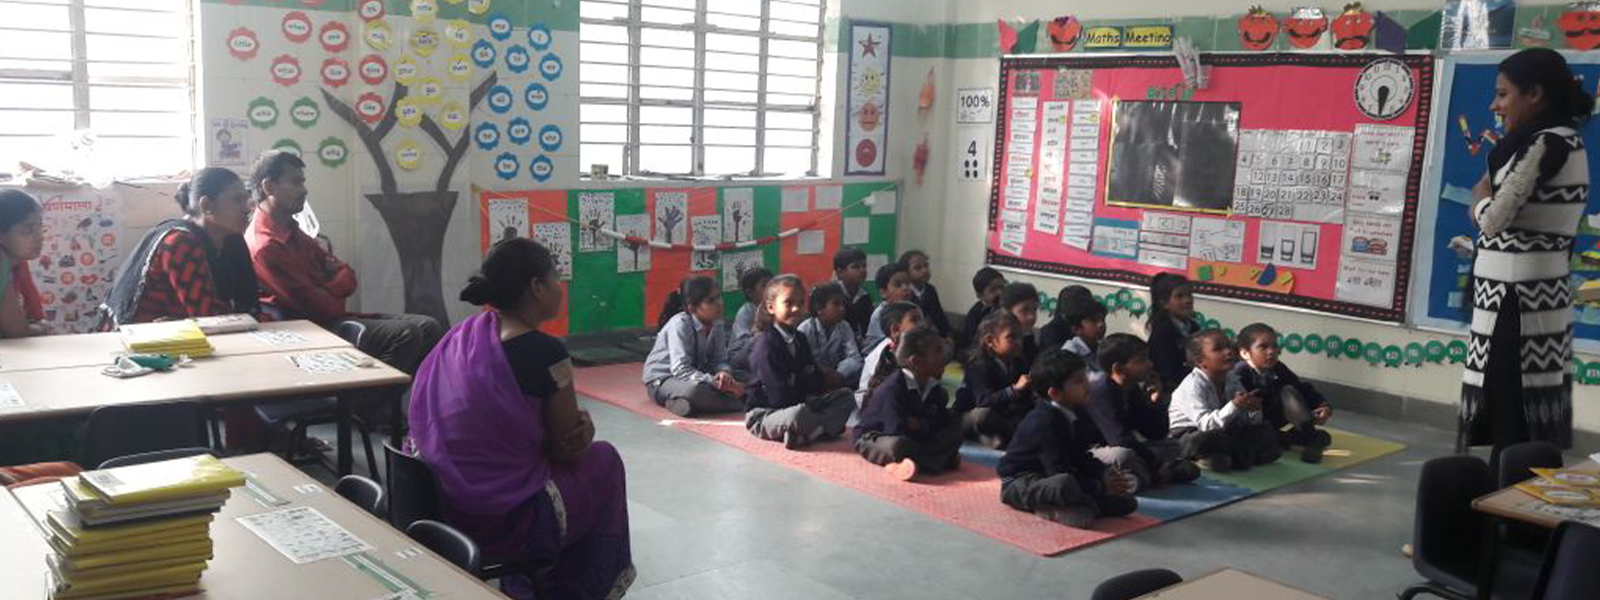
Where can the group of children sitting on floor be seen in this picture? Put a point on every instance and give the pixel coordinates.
(1086, 419)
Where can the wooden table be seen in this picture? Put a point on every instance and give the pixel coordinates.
(96, 349)
(244, 566)
(1517, 505)
(1231, 584)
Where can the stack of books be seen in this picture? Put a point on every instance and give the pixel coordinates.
(1564, 487)
(177, 338)
(131, 532)
(221, 324)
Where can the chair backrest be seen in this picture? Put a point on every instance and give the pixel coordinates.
(414, 492)
(351, 331)
(121, 430)
(1569, 571)
(157, 456)
(363, 492)
(1516, 460)
(1446, 527)
(1134, 584)
(448, 542)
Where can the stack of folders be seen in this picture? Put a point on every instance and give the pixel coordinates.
(176, 338)
(131, 532)
(1564, 487)
(221, 324)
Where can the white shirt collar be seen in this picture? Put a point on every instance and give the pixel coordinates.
(911, 384)
(1072, 417)
(788, 336)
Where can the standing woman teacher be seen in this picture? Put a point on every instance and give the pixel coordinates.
(1516, 386)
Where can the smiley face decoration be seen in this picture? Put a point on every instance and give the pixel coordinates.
(1258, 29)
(1064, 33)
(1305, 27)
(1353, 29)
(1580, 26)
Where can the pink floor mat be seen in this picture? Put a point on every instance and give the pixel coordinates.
(968, 498)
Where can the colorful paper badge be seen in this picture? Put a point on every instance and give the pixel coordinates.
(459, 68)
(378, 35)
(477, 7)
(1456, 351)
(1392, 355)
(1415, 354)
(262, 112)
(458, 33)
(371, 10)
(287, 145)
(550, 138)
(407, 112)
(519, 131)
(406, 70)
(424, 11)
(539, 37)
(1314, 344)
(408, 155)
(1124, 296)
(335, 72)
(1435, 352)
(536, 96)
(1137, 307)
(424, 41)
(429, 91)
(1590, 373)
(242, 43)
(500, 99)
(506, 166)
(487, 135)
(453, 116)
(1213, 324)
(499, 27)
(369, 107)
(1334, 346)
(517, 59)
(296, 26)
(550, 67)
(335, 37)
(305, 112)
(1293, 343)
(541, 168)
(483, 54)
(374, 69)
(286, 70)
(332, 152)
(1353, 348)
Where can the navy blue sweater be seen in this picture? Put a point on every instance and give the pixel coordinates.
(969, 327)
(1167, 350)
(987, 383)
(933, 309)
(1118, 413)
(895, 409)
(1048, 443)
(1243, 378)
(781, 379)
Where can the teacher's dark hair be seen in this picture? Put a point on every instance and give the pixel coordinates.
(208, 182)
(1547, 70)
(511, 267)
(269, 167)
(15, 207)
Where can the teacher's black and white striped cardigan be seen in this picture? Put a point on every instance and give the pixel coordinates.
(1524, 251)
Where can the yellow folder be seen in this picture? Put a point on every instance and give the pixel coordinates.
(166, 480)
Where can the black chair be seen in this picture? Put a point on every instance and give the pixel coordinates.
(1515, 464)
(1449, 538)
(157, 456)
(293, 418)
(1569, 571)
(448, 542)
(1128, 586)
(363, 492)
(121, 430)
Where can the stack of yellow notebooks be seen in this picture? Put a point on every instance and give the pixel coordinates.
(170, 337)
(1563, 487)
(132, 531)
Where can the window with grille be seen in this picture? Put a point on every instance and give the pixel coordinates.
(700, 87)
(122, 69)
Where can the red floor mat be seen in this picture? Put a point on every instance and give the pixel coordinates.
(968, 497)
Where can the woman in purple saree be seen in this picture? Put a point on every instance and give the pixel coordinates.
(493, 411)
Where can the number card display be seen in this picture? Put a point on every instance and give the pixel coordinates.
(1108, 167)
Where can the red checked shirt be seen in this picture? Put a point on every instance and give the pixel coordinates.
(178, 282)
(296, 274)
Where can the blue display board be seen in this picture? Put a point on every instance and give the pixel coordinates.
(1457, 158)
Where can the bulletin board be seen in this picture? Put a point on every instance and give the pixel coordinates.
(1466, 134)
(1291, 179)
(621, 252)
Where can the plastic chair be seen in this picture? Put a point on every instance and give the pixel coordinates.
(295, 417)
(362, 492)
(1568, 572)
(157, 456)
(122, 430)
(448, 542)
(1515, 464)
(1449, 537)
(1134, 584)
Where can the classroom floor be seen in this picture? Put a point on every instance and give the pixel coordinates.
(711, 522)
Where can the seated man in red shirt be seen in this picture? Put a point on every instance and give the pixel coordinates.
(303, 280)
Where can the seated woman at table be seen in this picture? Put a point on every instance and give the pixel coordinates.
(494, 413)
(21, 240)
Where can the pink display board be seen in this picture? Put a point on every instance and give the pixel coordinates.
(1291, 179)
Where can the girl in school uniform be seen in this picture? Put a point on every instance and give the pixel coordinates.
(1021, 300)
(832, 340)
(789, 398)
(751, 284)
(920, 273)
(21, 240)
(687, 370)
(994, 389)
(1170, 325)
(1058, 331)
(907, 426)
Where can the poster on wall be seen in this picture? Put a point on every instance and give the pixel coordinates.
(81, 249)
(867, 131)
(227, 142)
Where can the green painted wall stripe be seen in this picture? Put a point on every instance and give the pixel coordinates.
(558, 15)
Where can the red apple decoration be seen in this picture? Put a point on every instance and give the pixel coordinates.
(1257, 29)
(1305, 32)
(1581, 28)
(1064, 32)
(1353, 29)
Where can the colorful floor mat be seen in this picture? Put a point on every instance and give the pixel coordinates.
(970, 496)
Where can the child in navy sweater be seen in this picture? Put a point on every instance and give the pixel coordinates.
(1125, 406)
(1022, 301)
(1286, 400)
(1170, 325)
(1058, 330)
(906, 424)
(1086, 323)
(880, 363)
(894, 285)
(923, 293)
(850, 273)
(789, 398)
(986, 285)
(687, 370)
(994, 389)
(1048, 468)
(752, 284)
(1223, 432)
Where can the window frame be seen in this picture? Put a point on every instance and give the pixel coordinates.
(634, 103)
